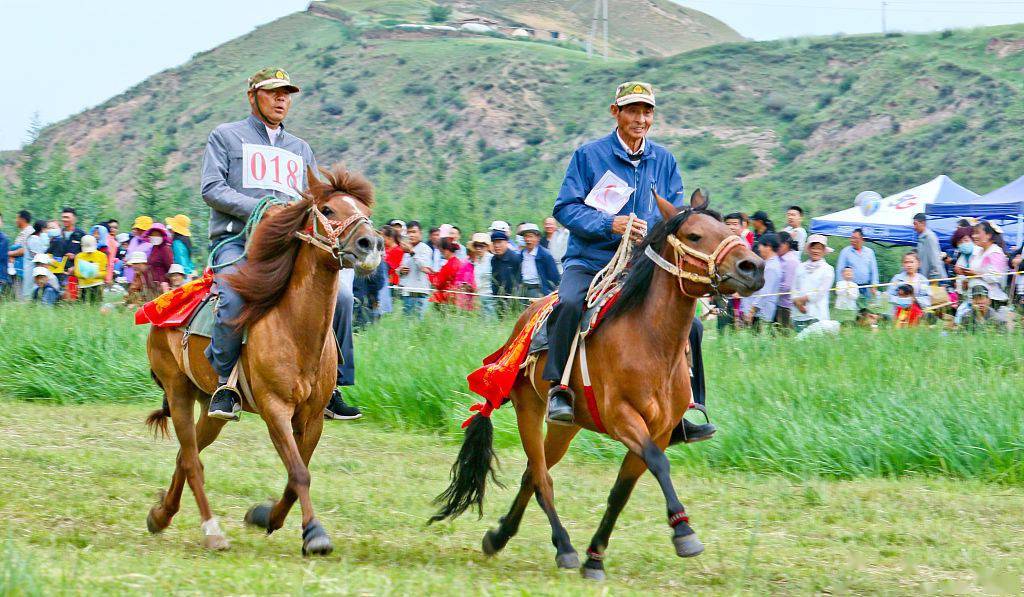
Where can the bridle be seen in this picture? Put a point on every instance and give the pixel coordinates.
(327, 234)
(686, 255)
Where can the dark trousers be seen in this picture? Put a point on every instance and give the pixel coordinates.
(564, 322)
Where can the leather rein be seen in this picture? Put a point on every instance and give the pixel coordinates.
(686, 255)
(326, 234)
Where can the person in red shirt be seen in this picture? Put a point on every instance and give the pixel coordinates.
(393, 253)
(446, 278)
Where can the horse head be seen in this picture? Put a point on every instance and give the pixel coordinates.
(704, 254)
(340, 224)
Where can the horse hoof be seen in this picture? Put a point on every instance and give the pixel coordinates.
(490, 544)
(259, 516)
(688, 546)
(152, 525)
(216, 543)
(593, 574)
(315, 541)
(568, 560)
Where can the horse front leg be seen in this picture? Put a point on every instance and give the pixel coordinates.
(632, 468)
(632, 431)
(279, 418)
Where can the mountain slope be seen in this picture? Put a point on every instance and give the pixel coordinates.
(471, 128)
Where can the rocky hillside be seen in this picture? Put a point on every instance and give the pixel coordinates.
(475, 125)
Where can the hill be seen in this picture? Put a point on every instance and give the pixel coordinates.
(471, 127)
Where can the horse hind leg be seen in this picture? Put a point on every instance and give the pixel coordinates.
(556, 443)
(530, 416)
(630, 471)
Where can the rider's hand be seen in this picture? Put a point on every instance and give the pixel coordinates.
(638, 231)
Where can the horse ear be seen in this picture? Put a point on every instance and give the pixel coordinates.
(699, 199)
(667, 209)
(314, 186)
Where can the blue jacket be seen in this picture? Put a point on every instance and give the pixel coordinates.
(591, 242)
(547, 269)
(4, 248)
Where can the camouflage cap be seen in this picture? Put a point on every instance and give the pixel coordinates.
(632, 92)
(272, 78)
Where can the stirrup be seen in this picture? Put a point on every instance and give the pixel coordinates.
(564, 390)
(236, 404)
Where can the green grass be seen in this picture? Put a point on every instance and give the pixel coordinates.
(79, 479)
(890, 404)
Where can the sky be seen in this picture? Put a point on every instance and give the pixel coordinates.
(69, 55)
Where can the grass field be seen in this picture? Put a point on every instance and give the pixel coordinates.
(78, 481)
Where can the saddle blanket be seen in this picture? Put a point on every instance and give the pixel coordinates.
(173, 309)
(494, 380)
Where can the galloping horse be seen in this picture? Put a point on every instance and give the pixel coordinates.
(641, 382)
(289, 285)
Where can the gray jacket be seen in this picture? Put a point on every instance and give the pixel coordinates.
(929, 255)
(230, 204)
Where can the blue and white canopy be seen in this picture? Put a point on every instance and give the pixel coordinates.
(1004, 205)
(892, 223)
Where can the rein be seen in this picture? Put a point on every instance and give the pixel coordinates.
(686, 255)
(330, 239)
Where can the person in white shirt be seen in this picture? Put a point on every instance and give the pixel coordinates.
(847, 294)
(414, 271)
(795, 226)
(813, 281)
(555, 239)
(480, 255)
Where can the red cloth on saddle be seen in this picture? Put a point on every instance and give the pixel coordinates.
(495, 379)
(173, 309)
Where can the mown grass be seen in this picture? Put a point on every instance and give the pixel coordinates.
(898, 402)
(79, 479)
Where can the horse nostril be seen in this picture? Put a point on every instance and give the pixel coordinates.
(746, 266)
(365, 244)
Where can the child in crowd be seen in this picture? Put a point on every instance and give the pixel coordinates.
(45, 292)
(908, 313)
(143, 287)
(847, 294)
(91, 271)
(867, 319)
(176, 276)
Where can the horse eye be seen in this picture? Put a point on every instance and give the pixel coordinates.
(327, 211)
(693, 237)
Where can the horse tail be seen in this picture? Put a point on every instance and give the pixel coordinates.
(476, 460)
(157, 420)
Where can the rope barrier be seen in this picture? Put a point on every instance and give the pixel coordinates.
(833, 289)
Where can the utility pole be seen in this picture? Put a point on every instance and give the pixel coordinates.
(605, 19)
(885, 29)
(593, 28)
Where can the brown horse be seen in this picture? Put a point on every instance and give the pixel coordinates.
(289, 285)
(640, 377)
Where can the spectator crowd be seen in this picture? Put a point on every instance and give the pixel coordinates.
(977, 284)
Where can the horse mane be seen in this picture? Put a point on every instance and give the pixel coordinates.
(638, 276)
(262, 280)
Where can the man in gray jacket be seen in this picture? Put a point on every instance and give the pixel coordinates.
(242, 165)
(928, 249)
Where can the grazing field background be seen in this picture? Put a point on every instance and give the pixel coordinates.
(868, 463)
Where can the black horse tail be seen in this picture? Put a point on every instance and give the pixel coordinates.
(476, 461)
(157, 420)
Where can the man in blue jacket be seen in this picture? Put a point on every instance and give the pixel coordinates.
(628, 157)
(539, 269)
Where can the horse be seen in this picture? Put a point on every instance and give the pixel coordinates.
(289, 284)
(641, 385)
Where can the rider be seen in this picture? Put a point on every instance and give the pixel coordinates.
(232, 196)
(624, 158)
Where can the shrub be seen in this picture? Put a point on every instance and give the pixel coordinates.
(326, 61)
(349, 88)
(334, 109)
(375, 114)
(440, 14)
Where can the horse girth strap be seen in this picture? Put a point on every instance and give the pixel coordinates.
(688, 255)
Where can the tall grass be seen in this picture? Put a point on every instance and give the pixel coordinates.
(891, 403)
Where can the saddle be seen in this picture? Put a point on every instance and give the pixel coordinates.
(205, 317)
(592, 318)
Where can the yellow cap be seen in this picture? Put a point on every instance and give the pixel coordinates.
(179, 224)
(143, 223)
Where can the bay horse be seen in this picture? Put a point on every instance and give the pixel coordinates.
(641, 384)
(289, 285)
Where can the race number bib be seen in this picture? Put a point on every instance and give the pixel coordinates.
(272, 168)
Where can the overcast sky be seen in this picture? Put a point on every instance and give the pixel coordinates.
(62, 56)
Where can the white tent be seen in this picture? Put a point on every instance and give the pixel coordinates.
(893, 222)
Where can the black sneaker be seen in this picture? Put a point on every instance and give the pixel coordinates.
(337, 409)
(225, 404)
(560, 404)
